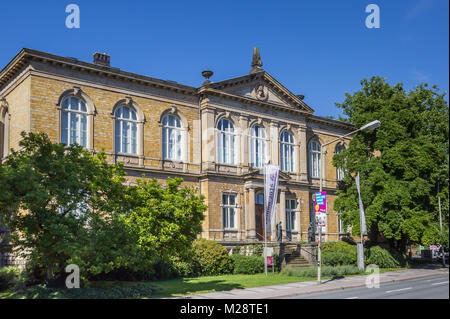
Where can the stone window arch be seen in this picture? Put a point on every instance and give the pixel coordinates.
(128, 118)
(315, 160)
(174, 136)
(287, 151)
(76, 118)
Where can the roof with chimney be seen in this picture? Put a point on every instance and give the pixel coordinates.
(257, 87)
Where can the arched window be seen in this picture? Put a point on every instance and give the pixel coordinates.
(225, 140)
(314, 159)
(287, 151)
(257, 146)
(126, 127)
(172, 138)
(339, 171)
(74, 121)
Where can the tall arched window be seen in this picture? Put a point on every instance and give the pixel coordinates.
(257, 146)
(339, 171)
(74, 121)
(314, 159)
(225, 140)
(126, 127)
(172, 138)
(287, 151)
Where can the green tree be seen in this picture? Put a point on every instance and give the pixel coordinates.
(164, 220)
(400, 163)
(52, 196)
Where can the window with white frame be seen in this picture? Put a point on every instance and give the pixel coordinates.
(225, 140)
(172, 138)
(229, 211)
(74, 121)
(314, 159)
(339, 171)
(287, 151)
(291, 206)
(257, 146)
(126, 130)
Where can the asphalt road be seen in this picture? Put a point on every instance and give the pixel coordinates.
(436, 287)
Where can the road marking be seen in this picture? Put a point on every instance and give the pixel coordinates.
(440, 283)
(398, 290)
(352, 298)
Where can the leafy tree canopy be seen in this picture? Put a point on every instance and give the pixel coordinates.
(64, 205)
(401, 164)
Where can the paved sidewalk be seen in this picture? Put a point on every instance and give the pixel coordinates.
(285, 290)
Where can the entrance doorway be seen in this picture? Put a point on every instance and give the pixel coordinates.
(259, 216)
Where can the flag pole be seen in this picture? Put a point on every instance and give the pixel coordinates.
(265, 226)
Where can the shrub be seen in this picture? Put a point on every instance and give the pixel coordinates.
(210, 258)
(9, 277)
(339, 253)
(336, 259)
(247, 264)
(380, 257)
(327, 271)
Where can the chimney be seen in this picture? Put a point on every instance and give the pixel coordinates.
(102, 59)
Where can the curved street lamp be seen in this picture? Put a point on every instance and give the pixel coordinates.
(369, 126)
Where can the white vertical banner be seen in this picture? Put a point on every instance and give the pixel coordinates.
(270, 193)
(361, 208)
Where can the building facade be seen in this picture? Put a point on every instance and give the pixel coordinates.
(217, 137)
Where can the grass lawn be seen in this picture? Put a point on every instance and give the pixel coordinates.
(160, 289)
(185, 286)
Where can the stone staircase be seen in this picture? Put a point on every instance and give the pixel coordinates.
(294, 258)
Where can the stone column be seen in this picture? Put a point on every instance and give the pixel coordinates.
(273, 143)
(303, 154)
(140, 147)
(208, 140)
(244, 143)
(251, 230)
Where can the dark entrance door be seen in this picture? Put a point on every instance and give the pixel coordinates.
(259, 221)
(259, 216)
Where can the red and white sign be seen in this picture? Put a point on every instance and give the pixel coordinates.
(269, 260)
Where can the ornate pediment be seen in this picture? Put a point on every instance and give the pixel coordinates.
(261, 87)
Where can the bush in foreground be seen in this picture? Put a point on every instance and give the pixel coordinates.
(339, 253)
(210, 258)
(9, 277)
(381, 257)
(248, 264)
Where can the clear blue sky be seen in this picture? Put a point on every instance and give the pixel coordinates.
(321, 49)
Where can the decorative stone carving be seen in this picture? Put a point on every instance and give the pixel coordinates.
(260, 92)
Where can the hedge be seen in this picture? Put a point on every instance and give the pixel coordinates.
(210, 258)
(339, 253)
(248, 264)
(383, 258)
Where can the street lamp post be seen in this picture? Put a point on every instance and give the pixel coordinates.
(369, 126)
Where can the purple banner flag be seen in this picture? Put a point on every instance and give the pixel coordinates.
(270, 193)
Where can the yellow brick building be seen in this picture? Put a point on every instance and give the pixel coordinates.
(217, 136)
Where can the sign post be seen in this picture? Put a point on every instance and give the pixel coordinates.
(270, 199)
(362, 226)
(320, 209)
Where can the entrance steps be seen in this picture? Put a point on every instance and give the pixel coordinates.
(294, 258)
